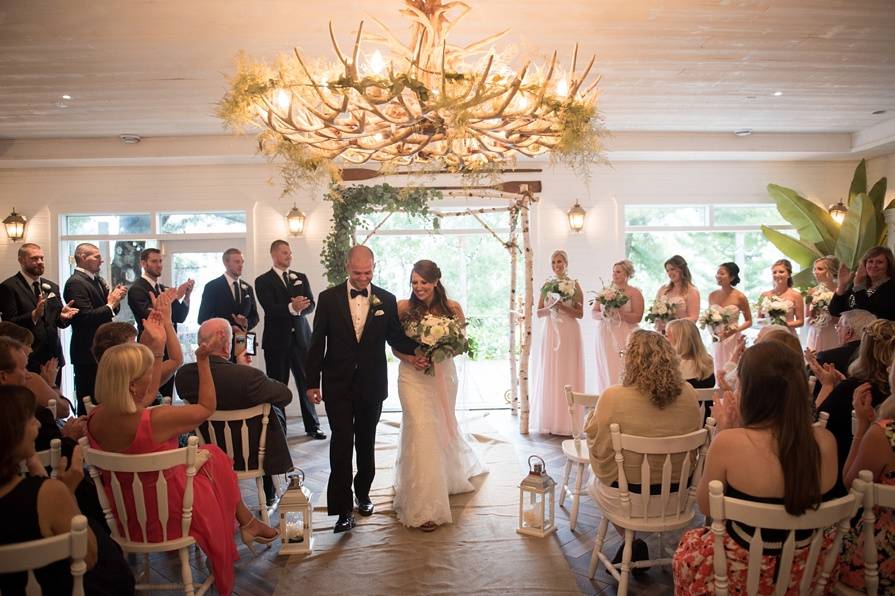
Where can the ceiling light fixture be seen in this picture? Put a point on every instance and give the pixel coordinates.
(778, 93)
(130, 138)
(878, 112)
(66, 96)
(743, 132)
(426, 101)
(15, 225)
(838, 212)
(576, 217)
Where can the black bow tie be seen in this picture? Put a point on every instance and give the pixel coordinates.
(356, 293)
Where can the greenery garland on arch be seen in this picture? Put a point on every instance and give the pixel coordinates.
(351, 203)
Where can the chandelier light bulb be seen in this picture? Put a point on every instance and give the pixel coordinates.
(282, 99)
(377, 63)
(562, 88)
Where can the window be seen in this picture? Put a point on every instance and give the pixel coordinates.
(103, 225)
(202, 223)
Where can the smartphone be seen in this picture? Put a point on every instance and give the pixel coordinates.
(250, 344)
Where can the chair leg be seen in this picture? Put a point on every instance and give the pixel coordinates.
(598, 548)
(626, 563)
(576, 496)
(146, 567)
(185, 571)
(262, 499)
(565, 482)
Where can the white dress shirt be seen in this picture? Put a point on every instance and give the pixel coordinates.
(280, 273)
(230, 281)
(360, 308)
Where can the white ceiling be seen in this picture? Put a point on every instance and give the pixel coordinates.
(157, 67)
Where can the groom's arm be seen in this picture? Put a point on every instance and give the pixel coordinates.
(395, 335)
(317, 349)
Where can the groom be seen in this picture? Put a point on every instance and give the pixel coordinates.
(352, 324)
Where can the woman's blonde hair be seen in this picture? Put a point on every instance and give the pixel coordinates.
(685, 339)
(875, 354)
(887, 408)
(560, 253)
(652, 366)
(118, 368)
(627, 266)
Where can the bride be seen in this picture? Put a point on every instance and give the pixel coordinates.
(434, 460)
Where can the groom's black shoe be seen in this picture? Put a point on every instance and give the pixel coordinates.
(364, 507)
(345, 523)
(316, 434)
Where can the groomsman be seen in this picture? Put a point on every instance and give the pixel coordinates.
(96, 305)
(228, 297)
(286, 298)
(141, 292)
(30, 300)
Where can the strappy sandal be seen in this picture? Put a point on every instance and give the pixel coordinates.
(429, 527)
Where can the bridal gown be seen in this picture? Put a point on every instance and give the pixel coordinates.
(612, 338)
(434, 460)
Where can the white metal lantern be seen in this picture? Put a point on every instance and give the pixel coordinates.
(296, 517)
(537, 501)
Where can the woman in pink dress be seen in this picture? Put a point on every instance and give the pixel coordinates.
(728, 276)
(562, 361)
(781, 273)
(127, 380)
(821, 324)
(615, 326)
(680, 291)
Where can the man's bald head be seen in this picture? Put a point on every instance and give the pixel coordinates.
(359, 264)
(212, 327)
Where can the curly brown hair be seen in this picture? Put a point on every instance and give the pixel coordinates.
(653, 367)
(875, 354)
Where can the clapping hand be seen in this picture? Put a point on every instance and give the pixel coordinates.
(38, 311)
(74, 428)
(185, 289)
(861, 275)
(162, 303)
(116, 295)
(826, 374)
(49, 370)
(862, 402)
(845, 277)
(68, 311)
(214, 345)
(153, 336)
(299, 303)
(71, 475)
(241, 321)
(726, 409)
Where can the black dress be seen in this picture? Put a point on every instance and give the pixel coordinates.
(881, 301)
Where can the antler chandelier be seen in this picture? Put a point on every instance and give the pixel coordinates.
(426, 101)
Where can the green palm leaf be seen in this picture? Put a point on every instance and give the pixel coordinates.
(858, 182)
(813, 223)
(801, 252)
(858, 232)
(804, 278)
(878, 194)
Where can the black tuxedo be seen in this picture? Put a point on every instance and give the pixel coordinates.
(218, 302)
(90, 296)
(840, 358)
(286, 336)
(17, 300)
(355, 383)
(140, 302)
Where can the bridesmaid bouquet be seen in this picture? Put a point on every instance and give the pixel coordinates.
(820, 307)
(439, 337)
(719, 318)
(611, 297)
(662, 309)
(774, 309)
(563, 289)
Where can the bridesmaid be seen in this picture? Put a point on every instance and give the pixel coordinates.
(562, 360)
(728, 276)
(822, 337)
(781, 273)
(614, 326)
(680, 290)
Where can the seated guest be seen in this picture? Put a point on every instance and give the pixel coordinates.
(36, 506)
(849, 330)
(870, 367)
(42, 385)
(787, 338)
(652, 401)
(767, 451)
(697, 366)
(111, 334)
(873, 448)
(127, 380)
(242, 386)
(870, 287)
(780, 333)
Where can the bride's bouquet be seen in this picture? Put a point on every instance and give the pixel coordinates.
(611, 297)
(662, 309)
(561, 289)
(774, 309)
(439, 337)
(820, 307)
(719, 319)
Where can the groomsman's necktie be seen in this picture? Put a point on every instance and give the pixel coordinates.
(35, 287)
(286, 279)
(237, 295)
(158, 290)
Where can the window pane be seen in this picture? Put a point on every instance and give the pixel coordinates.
(746, 215)
(79, 225)
(404, 221)
(202, 223)
(665, 215)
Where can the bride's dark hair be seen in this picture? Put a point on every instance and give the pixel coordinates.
(430, 272)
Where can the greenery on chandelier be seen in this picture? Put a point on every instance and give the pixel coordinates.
(350, 205)
(864, 225)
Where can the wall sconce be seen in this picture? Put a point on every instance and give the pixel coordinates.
(295, 221)
(15, 226)
(576, 218)
(838, 211)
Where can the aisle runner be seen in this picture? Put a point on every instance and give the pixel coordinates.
(480, 553)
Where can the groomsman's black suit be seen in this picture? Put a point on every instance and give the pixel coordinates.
(218, 302)
(17, 300)
(355, 383)
(286, 336)
(140, 304)
(91, 298)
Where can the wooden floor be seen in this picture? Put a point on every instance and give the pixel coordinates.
(253, 575)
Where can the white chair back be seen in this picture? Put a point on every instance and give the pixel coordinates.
(705, 397)
(854, 423)
(237, 420)
(830, 516)
(822, 419)
(671, 504)
(875, 495)
(88, 404)
(577, 400)
(132, 470)
(812, 381)
(49, 458)
(51, 406)
(34, 554)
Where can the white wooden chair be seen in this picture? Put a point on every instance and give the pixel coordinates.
(118, 470)
(875, 495)
(705, 397)
(88, 404)
(670, 510)
(576, 451)
(34, 554)
(832, 516)
(822, 419)
(240, 419)
(49, 458)
(51, 406)
(854, 423)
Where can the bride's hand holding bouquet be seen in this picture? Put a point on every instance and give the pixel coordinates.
(440, 338)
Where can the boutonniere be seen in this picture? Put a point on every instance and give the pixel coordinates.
(375, 301)
(296, 282)
(244, 285)
(293, 275)
(378, 313)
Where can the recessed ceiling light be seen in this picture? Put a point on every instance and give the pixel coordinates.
(66, 96)
(130, 139)
(878, 112)
(778, 93)
(743, 132)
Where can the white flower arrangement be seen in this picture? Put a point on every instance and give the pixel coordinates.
(662, 309)
(439, 337)
(718, 319)
(820, 306)
(562, 289)
(774, 309)
(611, 297)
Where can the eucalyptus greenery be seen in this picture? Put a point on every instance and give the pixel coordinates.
(350, 205)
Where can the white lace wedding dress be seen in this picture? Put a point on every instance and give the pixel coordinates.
(434, 460)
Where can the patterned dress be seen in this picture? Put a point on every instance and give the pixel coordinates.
(851, 563)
